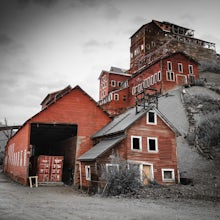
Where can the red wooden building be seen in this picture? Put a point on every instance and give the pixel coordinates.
(141, 136)
(62, 128)
(163, 74)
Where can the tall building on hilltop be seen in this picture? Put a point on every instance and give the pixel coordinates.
(156, 38)
(162, 57)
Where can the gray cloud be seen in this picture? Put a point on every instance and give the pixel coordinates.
(94, 45)
(88, 3)
(139, 20)
(5, 40)
(45, 3)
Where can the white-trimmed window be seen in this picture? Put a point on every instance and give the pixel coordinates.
(119, 83)
(113, 83)
(116, 97)
(145, 83)
(140, 87)
(191, 72)
(152, 80)
(134, 90)
(112, 168)
(88, 172)
(170, 76)
(151, 117)
(169, 66)
(137, 51)
(180, 67)
(152, 144)
(168, 175)
(136, 143)
(159, 76)
(155, 77)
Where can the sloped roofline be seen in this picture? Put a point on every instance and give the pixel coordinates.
(75, 88)
(56, 92)
(112, 72)
(157, 24)
(131, 122)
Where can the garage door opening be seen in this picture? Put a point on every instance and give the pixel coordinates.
(53, 140)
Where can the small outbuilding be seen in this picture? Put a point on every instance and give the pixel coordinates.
(141, 136)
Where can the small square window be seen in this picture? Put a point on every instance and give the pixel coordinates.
(152, 144)
(136, 143)
(151, 118)
(168, 175)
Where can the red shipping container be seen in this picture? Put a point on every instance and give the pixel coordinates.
(50, 168)
(56, 168)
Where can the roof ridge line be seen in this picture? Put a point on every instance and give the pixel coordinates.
(117, 122)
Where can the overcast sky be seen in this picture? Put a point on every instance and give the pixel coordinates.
(46, 45)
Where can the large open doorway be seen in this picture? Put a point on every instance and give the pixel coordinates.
(54, 140)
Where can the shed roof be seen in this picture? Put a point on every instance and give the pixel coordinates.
(100, 148)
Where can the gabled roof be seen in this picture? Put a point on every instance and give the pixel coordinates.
(120, 123)
(116, 71)
(100, 148)
(52, 97)
(75, 88)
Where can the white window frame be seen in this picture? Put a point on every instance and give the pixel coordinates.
(168, 180)
(113, 83)
(152, 80)
(119, 83)
(116, 96)
(191, 72)
(169, 66)
(140, 87)
(134, 90)
(170, 76)
(137, 51)
(140, 143)
(180, 67)
(88, 172)
(156, 144)
(155, 118)
(159, 76)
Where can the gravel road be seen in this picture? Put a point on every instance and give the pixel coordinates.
(19, 202)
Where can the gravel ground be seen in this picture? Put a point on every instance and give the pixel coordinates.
(18, 202)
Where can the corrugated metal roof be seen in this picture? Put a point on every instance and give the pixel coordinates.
(101, 148)
(121, 122)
